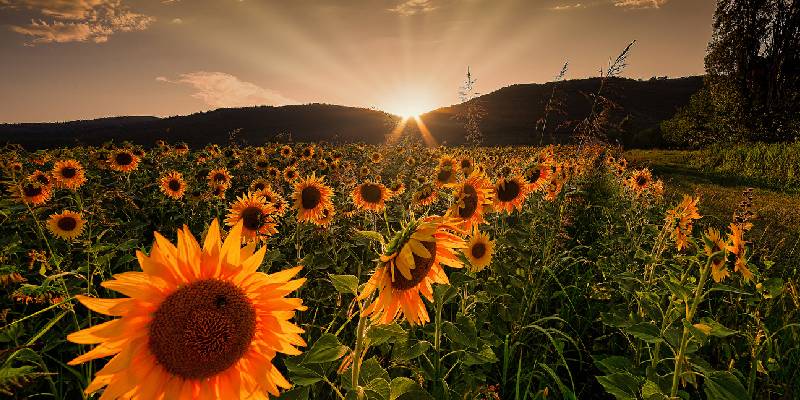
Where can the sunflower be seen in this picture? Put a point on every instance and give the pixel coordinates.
(424, 196)
(173, 185)
(259, 184)
(256, 216)
(640, 180)
(307, 153)
(714, 244)
(410, 264)
(123, 160)
(69, 174)
(218, 192)
(34, 193)
(219, 177)
(262, 164)
(198, 323)
(397, 188)
(479, 250)
(286, 151)
(68, 225)
(538, 176)
(467, 166)
(181, 148)
(40, 178)
(510, 193)
(364, 171)
(311, 197)
(736, 246)
(376, 157)
(472, 199)
(327, 217)
(446, 172)
(290, 174)
(681, 220)
(274, 173)
(370, 196)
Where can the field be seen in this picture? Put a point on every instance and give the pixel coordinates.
(395, 272)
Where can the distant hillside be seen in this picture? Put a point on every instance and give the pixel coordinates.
(511, 118)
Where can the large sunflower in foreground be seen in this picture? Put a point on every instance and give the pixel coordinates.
(311, 196)
(370, 196)
(198, 323)
(69, 174)
(472, 199)
(409, 266)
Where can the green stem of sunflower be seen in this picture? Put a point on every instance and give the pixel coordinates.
(362, 325)
(437, 342)
(698, 295)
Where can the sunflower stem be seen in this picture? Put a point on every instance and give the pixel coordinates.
(691, 309)
(362, 325)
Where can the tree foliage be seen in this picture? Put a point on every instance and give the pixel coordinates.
(752, 87)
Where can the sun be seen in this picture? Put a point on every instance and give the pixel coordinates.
(408, 102)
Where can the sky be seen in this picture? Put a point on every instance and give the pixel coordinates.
(82, 59)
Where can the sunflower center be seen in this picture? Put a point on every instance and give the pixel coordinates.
(508, 191)
(174, 185)
(466, 164)
(310, 197)
(43, 179)
(534, 174)
(220, 177)
(641, 181)
(478, 250)
(259, 186)
(421, 268)
(67, 224)
(251, 217)
(68, 172)
(202, 329)
(123, 158)
(444, 175)
(371, 193)
(470, 200)
(31, 191)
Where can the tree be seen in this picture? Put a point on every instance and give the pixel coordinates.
(752, 87)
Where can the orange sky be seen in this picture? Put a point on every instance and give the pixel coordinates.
(80, 59)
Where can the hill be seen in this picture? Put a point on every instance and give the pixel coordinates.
(511, 115)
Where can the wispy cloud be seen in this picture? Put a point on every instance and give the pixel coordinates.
(640, 4)
(218, 89)
(565, 7)
(413, 7)
(77, 20)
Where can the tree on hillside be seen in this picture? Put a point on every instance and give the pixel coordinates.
(752, 88)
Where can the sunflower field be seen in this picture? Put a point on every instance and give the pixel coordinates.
(321, 271)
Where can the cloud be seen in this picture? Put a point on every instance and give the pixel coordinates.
(640, 4)
(77, 20)
(566, 7)
(413, 7)
(218, 89)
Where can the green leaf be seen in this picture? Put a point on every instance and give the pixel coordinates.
(483, 356)
(371, 235)
(682, 292)
(456, 336)
(406, 389)
(723, 385)
(377, 389)
(380, 334)
(614, 364)
(714, 328)
(298, 393)
(442, 294)
(645, 331)
(405, 350)
(651, 391)
(622, 386)
(299, 375)
(327, 348)
(345, 283)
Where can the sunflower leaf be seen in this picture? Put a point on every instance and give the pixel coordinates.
(327, 348)
(345, 283)
(406, 389)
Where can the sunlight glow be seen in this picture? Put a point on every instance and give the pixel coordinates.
(408, 102)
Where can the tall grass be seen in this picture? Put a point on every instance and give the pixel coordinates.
(775, 165)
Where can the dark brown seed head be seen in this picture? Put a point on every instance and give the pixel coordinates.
(420, 271)
(470, 199)
(123, 158)
(67, 223)
(310, 197)
(202, 329)
(508, 191)
(371, 193)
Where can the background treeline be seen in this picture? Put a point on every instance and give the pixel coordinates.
(751, 91)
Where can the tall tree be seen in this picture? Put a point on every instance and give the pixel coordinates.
(753, 67)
